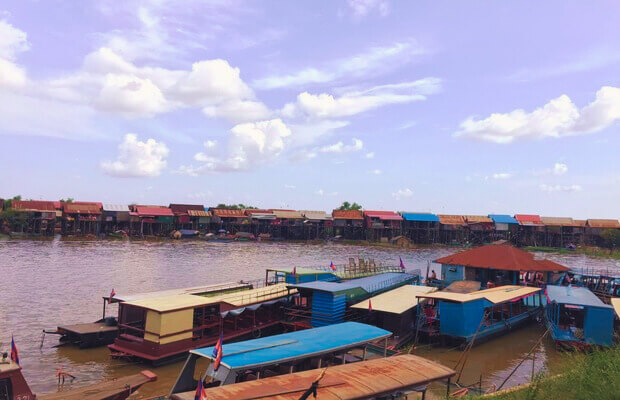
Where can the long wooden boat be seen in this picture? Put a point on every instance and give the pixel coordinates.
(281, 354)
(478, 315)
(383, 378)
(13, 386)
(577, 318)
(164, 328)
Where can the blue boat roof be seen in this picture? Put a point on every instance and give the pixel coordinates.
(294, 345)
(574, 295)
(369, 283)
(421, 217)
(503, 219)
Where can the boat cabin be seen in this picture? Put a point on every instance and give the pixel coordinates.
(12, 382)
(159, 329)
(479, 314)
(372, 379)
(281, 354)
(576, 317)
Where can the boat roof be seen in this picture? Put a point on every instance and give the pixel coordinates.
(496, 295)
(8, 366)
(615, 303)
(169, 292)
(395, 301)
(349, 381)
(294, 345)
(236, 299)
(367, 283)
(576, 295)
(304, 271)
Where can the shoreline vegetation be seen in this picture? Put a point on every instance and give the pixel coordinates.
(587, 376)
(591, 251)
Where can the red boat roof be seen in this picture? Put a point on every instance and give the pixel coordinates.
(502, 257)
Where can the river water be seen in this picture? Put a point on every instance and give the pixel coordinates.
(52, 282)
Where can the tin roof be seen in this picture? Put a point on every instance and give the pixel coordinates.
(574, 295)
(451, 219)
(395, 301)
(293, 345)
(603, 223)
(366, 379)
(228, 213)
(182, 209)
(503, 219)
(557, 221)
(501, 257)
(477, 219)
(116, 207)
(580, 222)
(150, 211)
(496, 295)
(529, 219)
(316, 215)
(347, 214)
(285, 214)
(251, 211)
(81, 207)
(33, 205)
(420, 217)
(198, 213)
(383, 215)
(369, 283)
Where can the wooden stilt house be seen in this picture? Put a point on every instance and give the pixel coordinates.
(348, 224)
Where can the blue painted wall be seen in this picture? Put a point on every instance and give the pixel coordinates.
(329, 309)
(452, 276)
(599, 326)
(460, 319)
(295, 279)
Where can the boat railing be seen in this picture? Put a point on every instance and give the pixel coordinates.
(379, 286)
(299, 313)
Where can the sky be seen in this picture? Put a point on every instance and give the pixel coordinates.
(468, 107)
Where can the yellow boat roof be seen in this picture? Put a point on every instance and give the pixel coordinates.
(495, 295)
(615, 303)
(396, 301)
(241, 298)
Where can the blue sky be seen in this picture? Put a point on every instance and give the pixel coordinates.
(450, 107)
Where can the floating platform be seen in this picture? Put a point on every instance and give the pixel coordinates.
(99, 333)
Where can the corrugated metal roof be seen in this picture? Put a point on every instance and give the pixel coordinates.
(149, 211)
(228, 213)
(347, 214)
(116, 207)
(369, 283)
(250, 211)
(557, 221)
(383, 215)
(580, 222)
(182, 209)
(529, 219)
(316, 215)
(574, 295)
(395, 301)
(280, 214)
(477, 219)
(420, 217)
(82, 207)
(503, 219)
(33, 205)
(198, 213)
(292, 345)
(496, 295)
(603, 223)
(451, 219)
(501, 257)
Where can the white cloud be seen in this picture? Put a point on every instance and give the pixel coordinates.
(131, 95)
(376, 172)
(502, 175)
(340, 147)
(370, 155)
(402, 193)
(239, 111)
(321, 192)
(558, 118)
(560, 169)
(560, 188)
(137, 159)
(361, 8)
(327, 106)
(12, 41)
(376, 60)
(11, 75)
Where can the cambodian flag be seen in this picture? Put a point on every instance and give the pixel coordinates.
(200, 392)
(402, 264)
(112, 294)
(14, 351)
(218, 353)
(332, 266)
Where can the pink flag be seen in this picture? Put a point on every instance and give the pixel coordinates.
(112, 294)
(332, 266)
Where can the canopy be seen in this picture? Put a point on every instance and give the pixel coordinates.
(294, 345)
(496, 295)
(575, 295)
(369, 283)
(395, 301)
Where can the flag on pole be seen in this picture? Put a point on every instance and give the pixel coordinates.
(402, 264)
(112, 294)
(200, 391)
(294, 271)
(14, 351)
(332, 266)
(218, 353)
(369, 305)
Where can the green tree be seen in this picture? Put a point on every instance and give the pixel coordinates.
(348, 206)
(611, 238)
(239, 206)
(68, 200)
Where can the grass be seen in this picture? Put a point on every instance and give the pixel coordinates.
(588, 251)
(592, 376)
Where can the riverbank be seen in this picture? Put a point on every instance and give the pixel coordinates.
(589, 251)
(589, 376)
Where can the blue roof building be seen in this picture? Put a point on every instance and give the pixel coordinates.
(420, 227)
(503, 219)
(420, 217)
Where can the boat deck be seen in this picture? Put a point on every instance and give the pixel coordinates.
(88, 328)
(119, 388)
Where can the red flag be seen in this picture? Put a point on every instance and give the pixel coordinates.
(332, 266)
(200, 392)
(369, 305)
(218, 353)
(112, 294)
(14, 351)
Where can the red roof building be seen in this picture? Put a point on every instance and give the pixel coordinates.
(33, 206)
(348, 214)
(529, 219)
(153, 211)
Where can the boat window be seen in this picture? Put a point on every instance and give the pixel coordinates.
(6, 389)
(200, 367)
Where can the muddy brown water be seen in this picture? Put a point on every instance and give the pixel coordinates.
(47, 283)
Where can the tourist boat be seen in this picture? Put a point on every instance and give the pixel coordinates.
(576, 318)
(605, 287)
(479, 315)
(310, 274)
(13, 386)
(382, 378)
(282, 354)
(105, 330)
(160, 329)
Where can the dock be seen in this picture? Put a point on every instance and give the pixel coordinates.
(87, 335)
